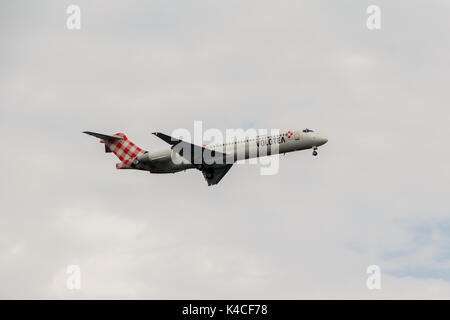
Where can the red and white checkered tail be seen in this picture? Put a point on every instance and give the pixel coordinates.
(124, 149)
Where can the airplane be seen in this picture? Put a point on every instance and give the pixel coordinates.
(213, 160)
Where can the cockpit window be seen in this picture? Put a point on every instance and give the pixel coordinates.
(307, 130)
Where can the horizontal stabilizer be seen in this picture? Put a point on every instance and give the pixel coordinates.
(103, 136)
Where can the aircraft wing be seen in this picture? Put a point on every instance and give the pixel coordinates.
(194, 154)
(215, 174)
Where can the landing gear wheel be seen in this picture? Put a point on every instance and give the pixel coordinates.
(314, 153)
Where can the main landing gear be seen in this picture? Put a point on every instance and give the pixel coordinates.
(314, 151)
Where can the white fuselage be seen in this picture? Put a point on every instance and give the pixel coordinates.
(168, 161)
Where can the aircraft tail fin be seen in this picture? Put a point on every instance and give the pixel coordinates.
(119, 144)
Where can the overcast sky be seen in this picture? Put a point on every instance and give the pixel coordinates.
(378, 193)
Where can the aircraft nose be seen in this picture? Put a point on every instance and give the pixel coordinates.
(322, 140)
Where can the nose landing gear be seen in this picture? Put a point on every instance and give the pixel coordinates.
(314, 151)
